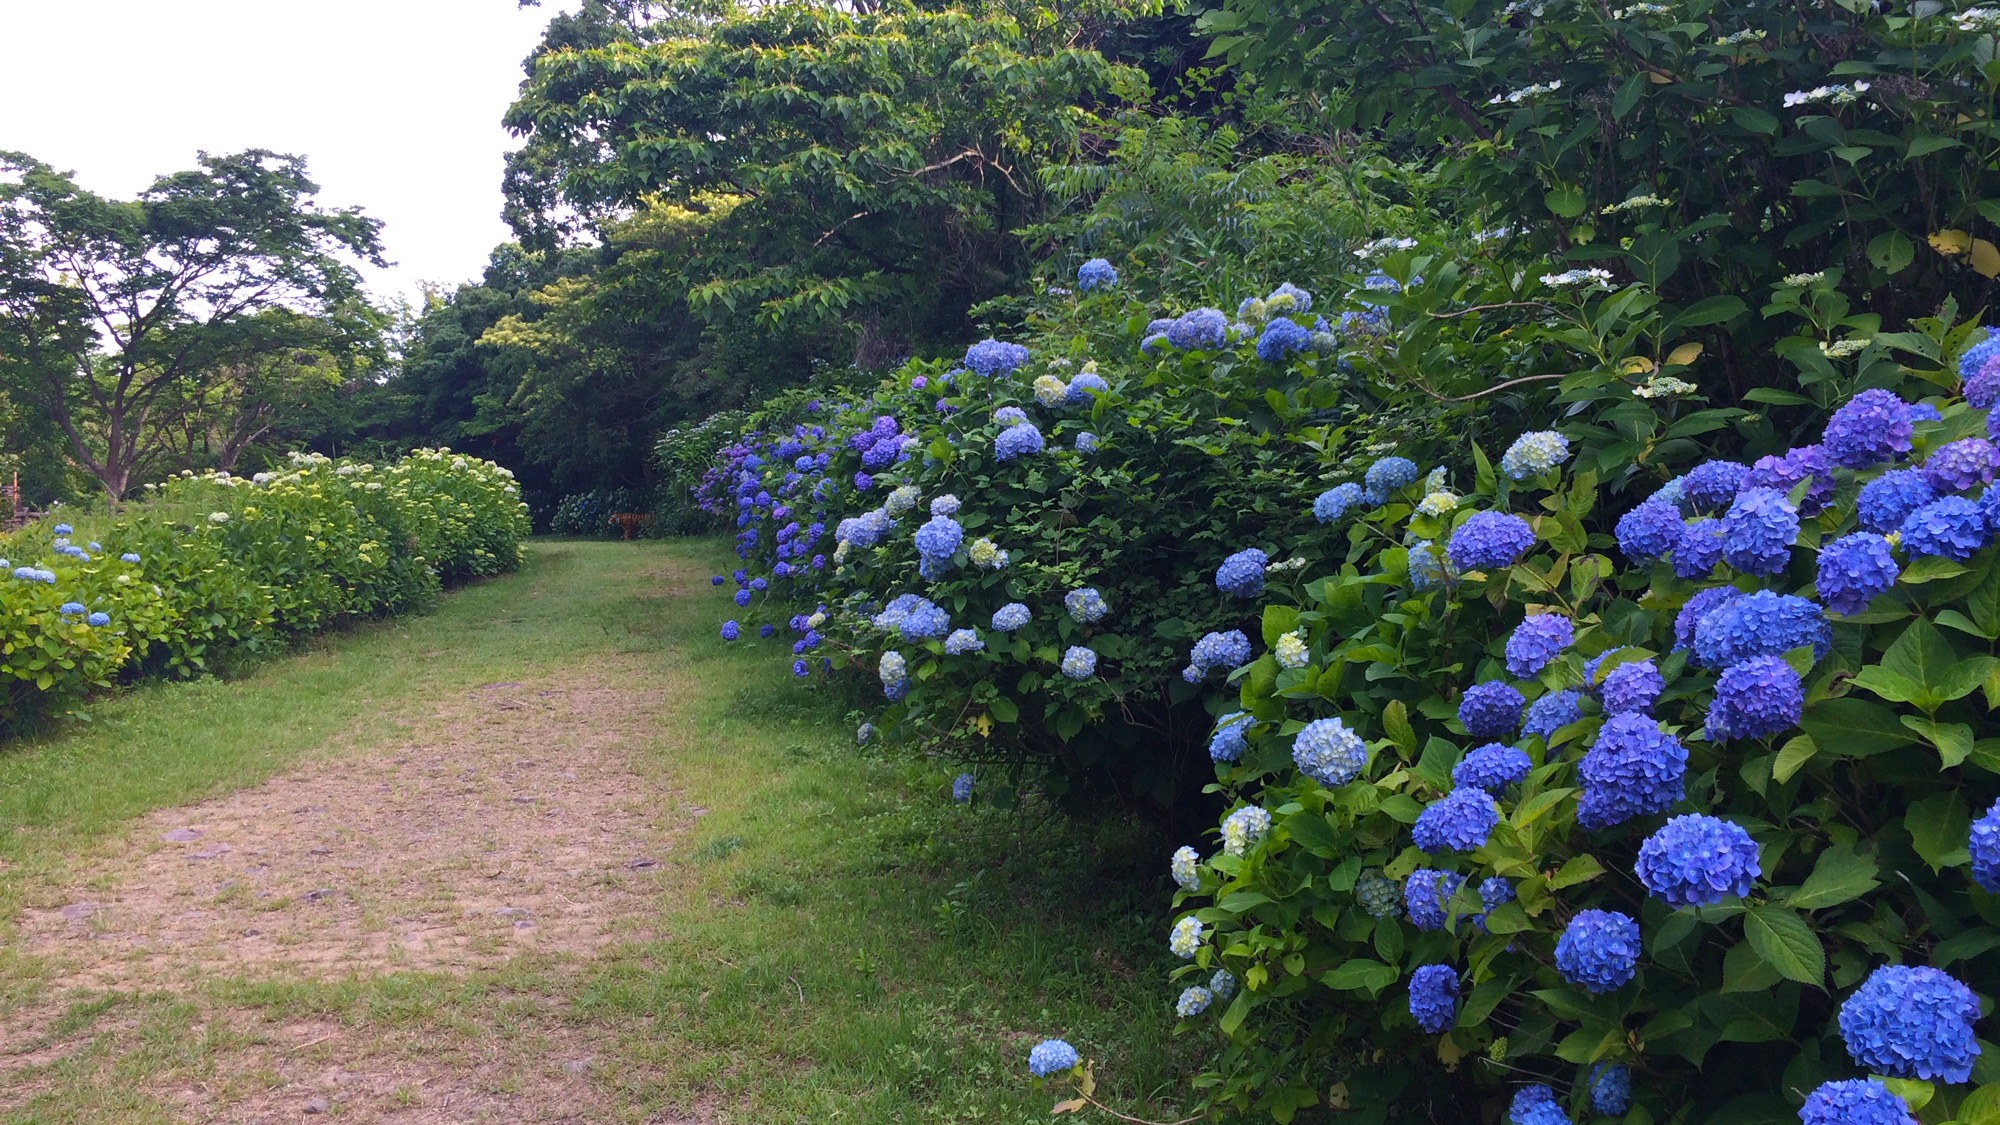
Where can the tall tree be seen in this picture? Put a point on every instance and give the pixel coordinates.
(116, 316)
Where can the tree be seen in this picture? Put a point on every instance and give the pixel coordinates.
(117, 316)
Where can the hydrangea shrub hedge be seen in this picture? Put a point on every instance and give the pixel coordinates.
(208, 563)
(1561, 786)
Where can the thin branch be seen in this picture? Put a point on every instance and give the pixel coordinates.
(1491, 389)
(1135, 1120)
(1495, 305)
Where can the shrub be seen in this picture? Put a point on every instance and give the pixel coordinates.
(214, 562)
(589, 513)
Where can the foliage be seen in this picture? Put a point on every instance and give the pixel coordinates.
(209, 563)
(118, 318)
(1706, 149)
(589, 513)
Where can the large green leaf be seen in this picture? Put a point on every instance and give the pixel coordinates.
(1939, 828)
(1360, 973)
(1840, 875)
(1854, 728)
(1786, 943)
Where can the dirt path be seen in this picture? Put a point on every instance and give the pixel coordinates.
(516, 825)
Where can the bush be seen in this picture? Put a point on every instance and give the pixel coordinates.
(589, 513)
(210, 563)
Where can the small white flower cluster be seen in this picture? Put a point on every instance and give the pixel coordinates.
(1519, 6)
(1662, 386)
(1296, 562)
(1979, 19)
(1634, 203)
(1747, 35)
(1802, 280)
(1837, 95)
(1494, 235)
(218, 517)
(1526, 92)
(1568, 278)
(1641, 10)
(1845, 348)
(1385, 246)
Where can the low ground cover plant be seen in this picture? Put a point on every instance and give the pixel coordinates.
(210, 563)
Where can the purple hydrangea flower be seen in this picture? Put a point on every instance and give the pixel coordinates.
(1434, 997)
(1632, 686)
(1490, 709)
(1551, 713)
(1221, 650)
(1871, 428)
(1016, 440)
(1599, 950)
(1536, 1105)
(1759, 697)
(1698, 549)
(1496, 765)
(1760, 624)
(1460, 822)
(1803, 463)
(1951, 527)
(1888, 500)
(1094, 273)
(1649, 530)
(1911, 1022)
(1633, 769)
(1712, 485)
(1758, 531)
(1855, 1101)
(1982, 384)
(1958, 465)
(1697, 860)
(731, 630)
(1853, 570)
(1538, 639)
(1489, 540)
(1425, 894)
(1984, 843)
(1610, 1089)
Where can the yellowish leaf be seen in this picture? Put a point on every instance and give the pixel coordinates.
(1951, 242)
(1074, 1105)
(1635, 365)
(1659, 79)
(1449, 1053)
(1985, 258)
(1336, 1098)
(1684, 355)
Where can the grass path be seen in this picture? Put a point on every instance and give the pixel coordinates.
(551, 853)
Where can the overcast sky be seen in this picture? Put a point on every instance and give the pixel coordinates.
(395, 103)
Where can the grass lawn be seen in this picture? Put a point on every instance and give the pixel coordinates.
(826, 937)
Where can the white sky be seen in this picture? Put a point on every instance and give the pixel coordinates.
(396, 104)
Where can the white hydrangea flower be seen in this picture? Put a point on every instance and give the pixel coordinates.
(1194, 1001)
(1437, 504)
(1844, 348)
(1663, 386)
(901, 500)
(1186, 868)
(1244, 829)
(1979, 19)
(1049, 390)
(1516, 97)
(1185, 940)
(1805, 280)
(1634, 203)
(1836, 95)
(1291, 651)
(218, 517)
(1567, 278)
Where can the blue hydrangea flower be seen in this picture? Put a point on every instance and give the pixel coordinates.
(1387, 476)
(939, 537)
(1152, 345)
(1712, 485)
(1951, 527)
(64, 529)
(1425, 894)
(1051, 1056)
(864, 732)
(799, 669)
(1490, 709)
(1802, 463)
(1184, 940)
(1673, 492)
(1460, 822)
(1378, 895)
(1536, 1105)
(1194, 1001)
(1426, 566)
(1202, 328)
(1760, 624)
(1855, 1101)
(1980, 345)
(1017, 440)
(891, 667)
(99, 620)
(1491, 767)
(731, 630)
(1698, 860)
(1551, 713)
(1086, 443)
(1094, 273)
(1853, 570)
(1632, 686)
(1223, 984)
(1633, 769)
(1221, 650)
(1334, 502)
(1085, 605)
(1758, 531)
(1084, 389)
(1434, 997)
(990, 357)
(1329, 753)
(1754, 699)
(1242, 573)
(1959, 465)
(741, 597)
(1289, 298)
(1489, 540)
(1911, 1022)
(1610, 1089)
(1010, 617)
(1227, 743)
(961, 788)
(1599, 950)
(1688, 621)
(1079, 663)
(1533, 454)
(1281, 339)
(1982, 386)
(1872, 427)
(131, 557)
(1925, 412)
(1888, 500)
(1698, 549)
(963, 641)
(72, 609)
(765, 631)
(1984, 843)
(1649, 531)
(1537, 640)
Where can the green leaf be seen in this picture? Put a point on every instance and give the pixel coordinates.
(1755, 120)
(1892, 252)
(1579, 869)
(1312, 832)
(1963, 678)
(1889, 685)
(1840, 875)
(1709, 310)
(1777, 397)
(1360, 973)
(1786, 943)
(1929, 568)
(1396, 724)
(1793, 756)
(1510, 918)
(1953, 740)
(1854, 728)
(1971, 943)
(1526, 812)
(1915, 1092)
(1939, 828)
(1279, 620)
(1565, 202)
(1003, 710)
(1981, 1107)
(1923, 144)
(1745, 970)
(1238, 1008)
(1627, 96)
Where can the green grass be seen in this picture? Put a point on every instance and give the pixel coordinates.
(841, 941)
